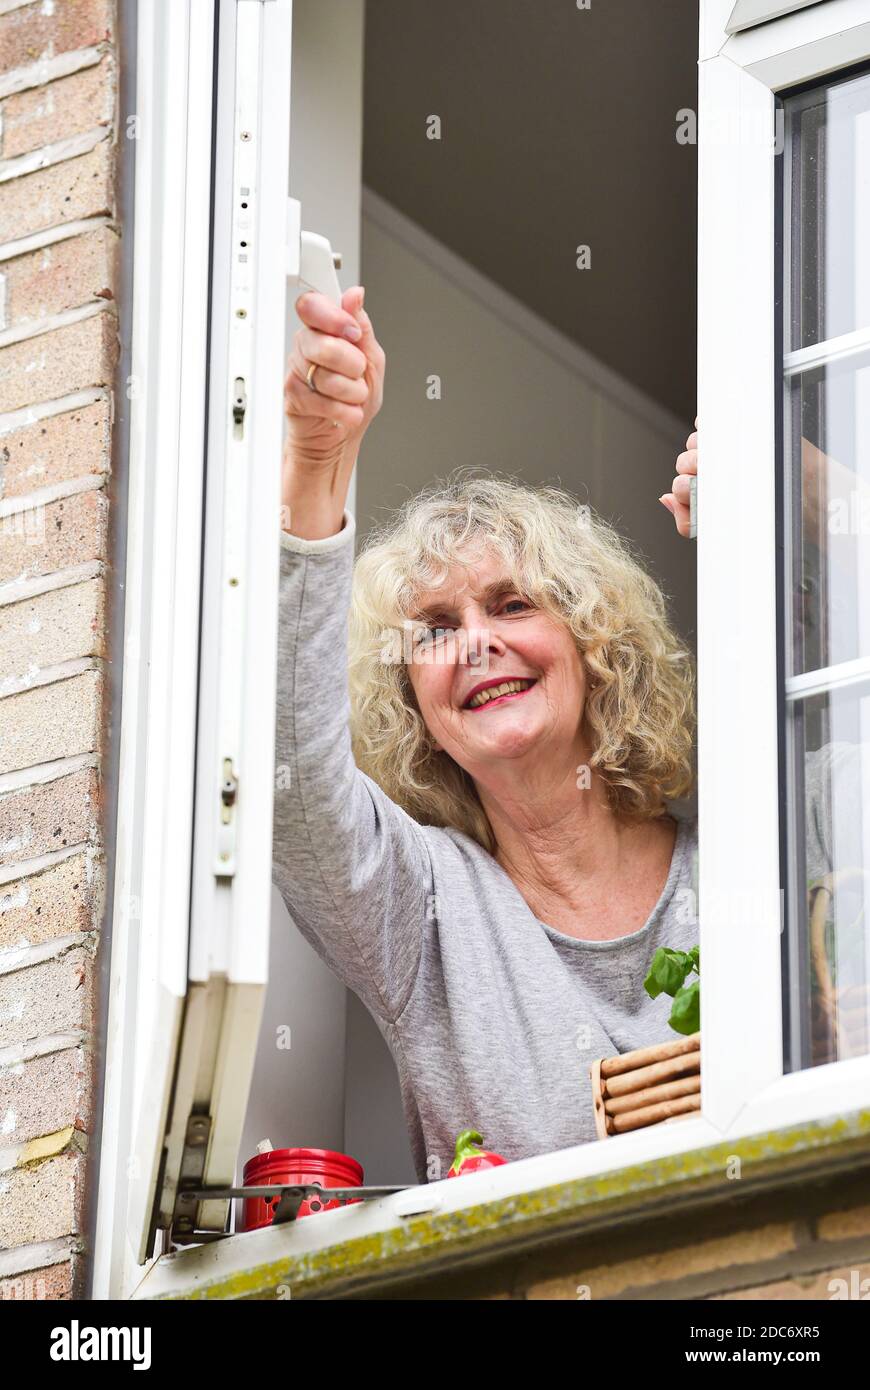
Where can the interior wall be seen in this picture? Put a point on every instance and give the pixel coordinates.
(516, 396)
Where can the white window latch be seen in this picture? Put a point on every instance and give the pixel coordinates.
(311, 261)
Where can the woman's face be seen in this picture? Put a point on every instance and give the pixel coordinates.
(481, 634)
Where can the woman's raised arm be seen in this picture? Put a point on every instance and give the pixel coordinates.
(351, 865)
(333, 389)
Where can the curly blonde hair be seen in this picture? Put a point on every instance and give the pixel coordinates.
(566, 560)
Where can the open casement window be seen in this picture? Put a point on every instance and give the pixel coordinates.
(784, 560)
(193, 872)
(783, 326)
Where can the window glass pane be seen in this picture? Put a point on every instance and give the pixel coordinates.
(830, 743)
(827, 443)
(828, 143)
(825, 451)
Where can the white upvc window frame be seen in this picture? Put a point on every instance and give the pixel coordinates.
(148, 967)
(744, 1089)
(739, 376)
(191, 913)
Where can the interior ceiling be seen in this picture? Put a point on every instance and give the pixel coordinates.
(558, 130)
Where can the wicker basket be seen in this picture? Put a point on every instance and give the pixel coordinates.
(649, 1086)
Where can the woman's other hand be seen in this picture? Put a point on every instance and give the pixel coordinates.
(326, 425)
(677, 500)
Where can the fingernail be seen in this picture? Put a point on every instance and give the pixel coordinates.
(667, 505)
(362, 296)
(352, 331)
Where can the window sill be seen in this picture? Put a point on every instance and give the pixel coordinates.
(620, 1181)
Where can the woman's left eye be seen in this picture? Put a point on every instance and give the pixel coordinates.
(522, 603)
(430, 634)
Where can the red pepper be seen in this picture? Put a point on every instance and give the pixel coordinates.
(470, 1158)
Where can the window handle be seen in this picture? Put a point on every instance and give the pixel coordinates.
(311, 261)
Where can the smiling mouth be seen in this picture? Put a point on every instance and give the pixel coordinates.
(498, 694)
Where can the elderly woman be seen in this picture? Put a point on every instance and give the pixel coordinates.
(475, 833)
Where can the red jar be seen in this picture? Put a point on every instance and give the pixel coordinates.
(324, 1167)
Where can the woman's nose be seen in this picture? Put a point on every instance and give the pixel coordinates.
(481, 640)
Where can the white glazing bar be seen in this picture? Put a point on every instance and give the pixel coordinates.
(822, 354)
(838, 677)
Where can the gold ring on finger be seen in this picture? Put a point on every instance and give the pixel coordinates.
(309, 376)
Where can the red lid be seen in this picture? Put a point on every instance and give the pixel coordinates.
(300, 1165)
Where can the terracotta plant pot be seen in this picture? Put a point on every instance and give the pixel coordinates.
(647, 1087)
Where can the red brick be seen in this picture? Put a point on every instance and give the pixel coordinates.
(849, 1282)
(53, 1283)
(42, 1201)
(41, 632)
(54, 996)
(52, 721)
(61, 276)
(65, 898)
(49, 816)
(46, 1094)
(55, 449)
(68, 106)
(30, 33)
(54, 536)
(64, 192)
(59, 362)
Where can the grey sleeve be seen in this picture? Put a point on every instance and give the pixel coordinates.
(351, 865)
(835, 797)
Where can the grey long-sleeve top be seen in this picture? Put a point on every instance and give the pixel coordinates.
(492, 1016)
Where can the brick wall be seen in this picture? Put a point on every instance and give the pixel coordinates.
(58, 352)
(794, 1260)
(804, 1241)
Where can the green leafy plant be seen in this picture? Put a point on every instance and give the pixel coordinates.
(667, 975)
